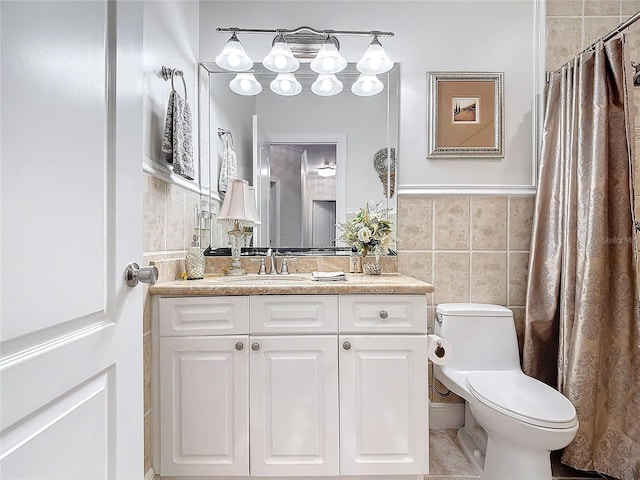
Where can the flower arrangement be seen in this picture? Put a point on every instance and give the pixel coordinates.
(369, 231)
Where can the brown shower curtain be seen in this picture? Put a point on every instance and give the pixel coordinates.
(582, 329)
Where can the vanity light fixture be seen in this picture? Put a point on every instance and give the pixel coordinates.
(367, 86)
(280, 58)
(327, 170)
(326, 85)
(320, 47)
(233, 57)
(245, 84)
(375, 59)
(328, 60)
(286, 84)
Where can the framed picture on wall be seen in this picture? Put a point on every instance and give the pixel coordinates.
(465, 115)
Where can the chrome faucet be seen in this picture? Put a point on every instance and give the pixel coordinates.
(271, 255)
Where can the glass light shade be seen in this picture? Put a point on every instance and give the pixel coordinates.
(327, 170)
(286, 84)
(374, 60)
(367, 85)
(233, 57)
(245, 84)
(280, 58)
(326, 85)
(328, 59)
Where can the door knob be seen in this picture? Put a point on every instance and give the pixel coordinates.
(239, 346)
(384, 314)
(134, 274)
(346, 345)
(255, 346)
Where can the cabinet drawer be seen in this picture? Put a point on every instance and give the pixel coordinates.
(204, 316)
(383, 314)
(294, 314)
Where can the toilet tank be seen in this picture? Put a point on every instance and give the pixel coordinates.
(482, 336)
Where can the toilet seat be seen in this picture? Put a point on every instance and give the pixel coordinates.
(519, 396)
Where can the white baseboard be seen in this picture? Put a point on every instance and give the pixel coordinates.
(446, 415)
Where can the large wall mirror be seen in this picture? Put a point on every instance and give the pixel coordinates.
(314, 161)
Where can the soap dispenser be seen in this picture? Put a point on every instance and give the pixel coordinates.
(194, 260)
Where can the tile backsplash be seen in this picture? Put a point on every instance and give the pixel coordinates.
(471, 248)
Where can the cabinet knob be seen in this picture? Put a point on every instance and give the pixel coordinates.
(239, 346)
(346, 345)
(384, 314)
(255, 346)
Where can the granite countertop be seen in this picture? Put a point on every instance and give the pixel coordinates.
(294, 284)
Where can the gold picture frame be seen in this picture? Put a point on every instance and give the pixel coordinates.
(465, 115)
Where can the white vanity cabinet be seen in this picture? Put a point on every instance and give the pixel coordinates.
(204, 391)
(293, 386)
(294, 406)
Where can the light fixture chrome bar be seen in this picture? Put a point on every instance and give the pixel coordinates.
(305, 28)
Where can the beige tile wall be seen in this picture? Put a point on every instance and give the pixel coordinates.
(472, 248)
(167, 231)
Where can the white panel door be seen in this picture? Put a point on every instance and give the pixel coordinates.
(383, 405)
(71, 210)
(294, 405)
(204, 405)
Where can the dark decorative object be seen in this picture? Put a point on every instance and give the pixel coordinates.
(387, 175)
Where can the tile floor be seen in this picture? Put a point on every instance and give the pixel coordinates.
(447, 462)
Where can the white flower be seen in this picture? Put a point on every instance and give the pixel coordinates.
(364, 234)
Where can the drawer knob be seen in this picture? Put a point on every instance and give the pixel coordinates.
(346, 345)
(255, 346)
(239, 346)
(384, 314)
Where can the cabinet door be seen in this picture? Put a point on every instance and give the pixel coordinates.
(294, 406)
(383, 405)
(204, 404)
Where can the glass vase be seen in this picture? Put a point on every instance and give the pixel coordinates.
(194, 263)
(371, 268)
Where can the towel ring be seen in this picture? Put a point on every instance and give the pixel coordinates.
(169, 73)
(223, 133)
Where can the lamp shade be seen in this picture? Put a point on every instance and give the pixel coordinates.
(326, 85)
(233, 57)
(374, 60)
(236, 206)
(245, 84)
(280, 59)
(367, 85)
(286, 84)
(328, 60)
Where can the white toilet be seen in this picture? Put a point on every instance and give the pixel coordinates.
(512, 421)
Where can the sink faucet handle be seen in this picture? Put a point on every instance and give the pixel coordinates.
(262, 270)
(284, 268)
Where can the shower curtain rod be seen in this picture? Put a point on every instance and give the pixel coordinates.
(626, 24)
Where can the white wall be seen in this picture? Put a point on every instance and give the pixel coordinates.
(447, 35)
(234, 113)
(171, 39)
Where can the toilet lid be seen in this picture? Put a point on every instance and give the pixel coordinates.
(522, 397)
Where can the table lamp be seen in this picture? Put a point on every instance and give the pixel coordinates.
(239, 211)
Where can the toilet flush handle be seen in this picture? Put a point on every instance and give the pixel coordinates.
(439, 318)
